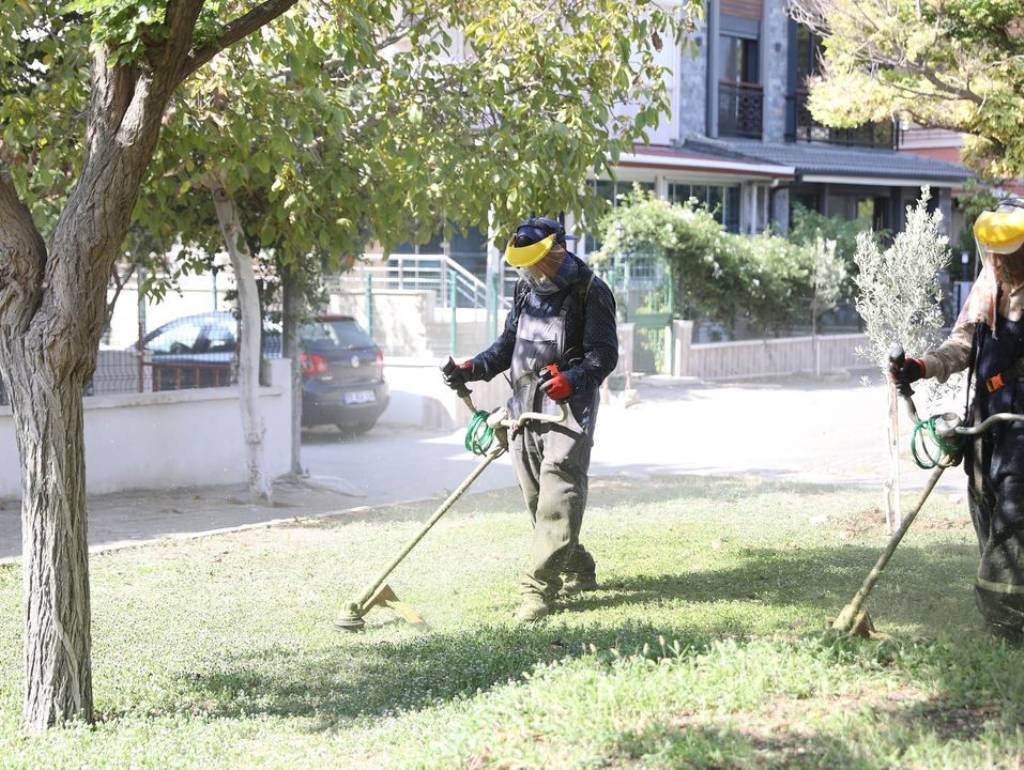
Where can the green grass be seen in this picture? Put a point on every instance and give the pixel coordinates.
(706, 647)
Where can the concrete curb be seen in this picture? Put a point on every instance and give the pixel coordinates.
(124, 545)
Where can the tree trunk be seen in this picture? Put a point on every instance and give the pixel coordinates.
(52, 310)
(893, 506)
(55, 558)
(249, 352)
(814, 345)
(290, 348)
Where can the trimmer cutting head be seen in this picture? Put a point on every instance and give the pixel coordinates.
(350, 619)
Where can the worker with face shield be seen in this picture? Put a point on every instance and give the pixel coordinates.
(558, 344)
(988, 340)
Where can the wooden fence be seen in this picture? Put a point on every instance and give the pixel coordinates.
(756, 358)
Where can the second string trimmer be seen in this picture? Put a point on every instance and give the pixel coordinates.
(948, 437)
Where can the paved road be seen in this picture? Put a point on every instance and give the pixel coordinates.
(785, 430)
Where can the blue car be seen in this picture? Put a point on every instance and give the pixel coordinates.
(342, 367)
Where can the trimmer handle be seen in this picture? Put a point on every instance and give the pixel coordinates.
(549, 372)
(461, 391)
(898, 357)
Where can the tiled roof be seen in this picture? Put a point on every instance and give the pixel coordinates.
(833, 160)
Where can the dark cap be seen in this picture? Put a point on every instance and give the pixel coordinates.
(536, 229)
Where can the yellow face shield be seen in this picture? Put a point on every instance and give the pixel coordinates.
(524, 256)
(1000, 231)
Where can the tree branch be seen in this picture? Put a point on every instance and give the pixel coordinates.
(22, 260)
(235, 30)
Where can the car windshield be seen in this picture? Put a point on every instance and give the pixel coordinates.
(175, 338)
(344, 335)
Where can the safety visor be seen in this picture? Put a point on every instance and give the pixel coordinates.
(524, 256)
(1000, 231)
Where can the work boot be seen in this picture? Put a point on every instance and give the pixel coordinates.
(1012, 635)
(577, 582)
(533, 607)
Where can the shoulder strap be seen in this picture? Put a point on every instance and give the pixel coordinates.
(519, 296)
(583, 288)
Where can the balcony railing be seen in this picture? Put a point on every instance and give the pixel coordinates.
(740, 109)
(802, 127)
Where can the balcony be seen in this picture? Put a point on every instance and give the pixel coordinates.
(802, 127)
(740, 109)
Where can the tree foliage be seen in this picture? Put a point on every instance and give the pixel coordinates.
(899, 293)
(955, 64)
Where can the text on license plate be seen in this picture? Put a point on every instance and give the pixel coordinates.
(360, 397)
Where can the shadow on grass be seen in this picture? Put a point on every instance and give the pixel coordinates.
(920, 585)
(366, 676)
(686, 745)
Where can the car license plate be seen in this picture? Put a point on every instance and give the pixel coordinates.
(360, 397)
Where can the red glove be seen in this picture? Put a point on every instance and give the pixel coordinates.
(558, 387)
(459, 376)
(913, 369)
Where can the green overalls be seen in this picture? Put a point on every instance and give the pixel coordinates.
(552, 461)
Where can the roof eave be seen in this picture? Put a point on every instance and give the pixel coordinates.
(706, 165)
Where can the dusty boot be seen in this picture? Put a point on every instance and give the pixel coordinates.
(576, 582)
(533, 607)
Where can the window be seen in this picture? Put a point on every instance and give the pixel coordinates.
(738, 57)
(342, 334)
(740, 96)
(723, 201)
(808, 56)
(176, 338)
(220, 338)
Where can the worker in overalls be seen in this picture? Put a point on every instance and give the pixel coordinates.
(988, 340)
(559, 342)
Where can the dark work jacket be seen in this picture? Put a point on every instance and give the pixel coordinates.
(592, 336)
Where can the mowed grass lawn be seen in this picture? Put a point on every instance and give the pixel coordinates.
(705, 648)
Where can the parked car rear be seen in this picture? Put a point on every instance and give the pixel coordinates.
(343, 375)
(342, 367)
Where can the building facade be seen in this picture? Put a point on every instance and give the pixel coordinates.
(742, 138)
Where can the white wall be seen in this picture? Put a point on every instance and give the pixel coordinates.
(167, 439)
(419, 397)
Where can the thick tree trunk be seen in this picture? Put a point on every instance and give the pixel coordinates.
(52, 310)
(55, 558)
(290, 348)
(249, 353)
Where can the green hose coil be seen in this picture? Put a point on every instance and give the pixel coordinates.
(479, 435)
(925, 433)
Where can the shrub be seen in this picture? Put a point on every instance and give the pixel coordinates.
(718, 275)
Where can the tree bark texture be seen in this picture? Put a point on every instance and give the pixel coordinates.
(293, 313)
(52, 314)
(57, 656)
(249, 353)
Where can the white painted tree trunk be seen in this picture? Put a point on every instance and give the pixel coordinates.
(249, 353)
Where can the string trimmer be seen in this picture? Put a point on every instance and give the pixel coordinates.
(487, 437)
(937, 443)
